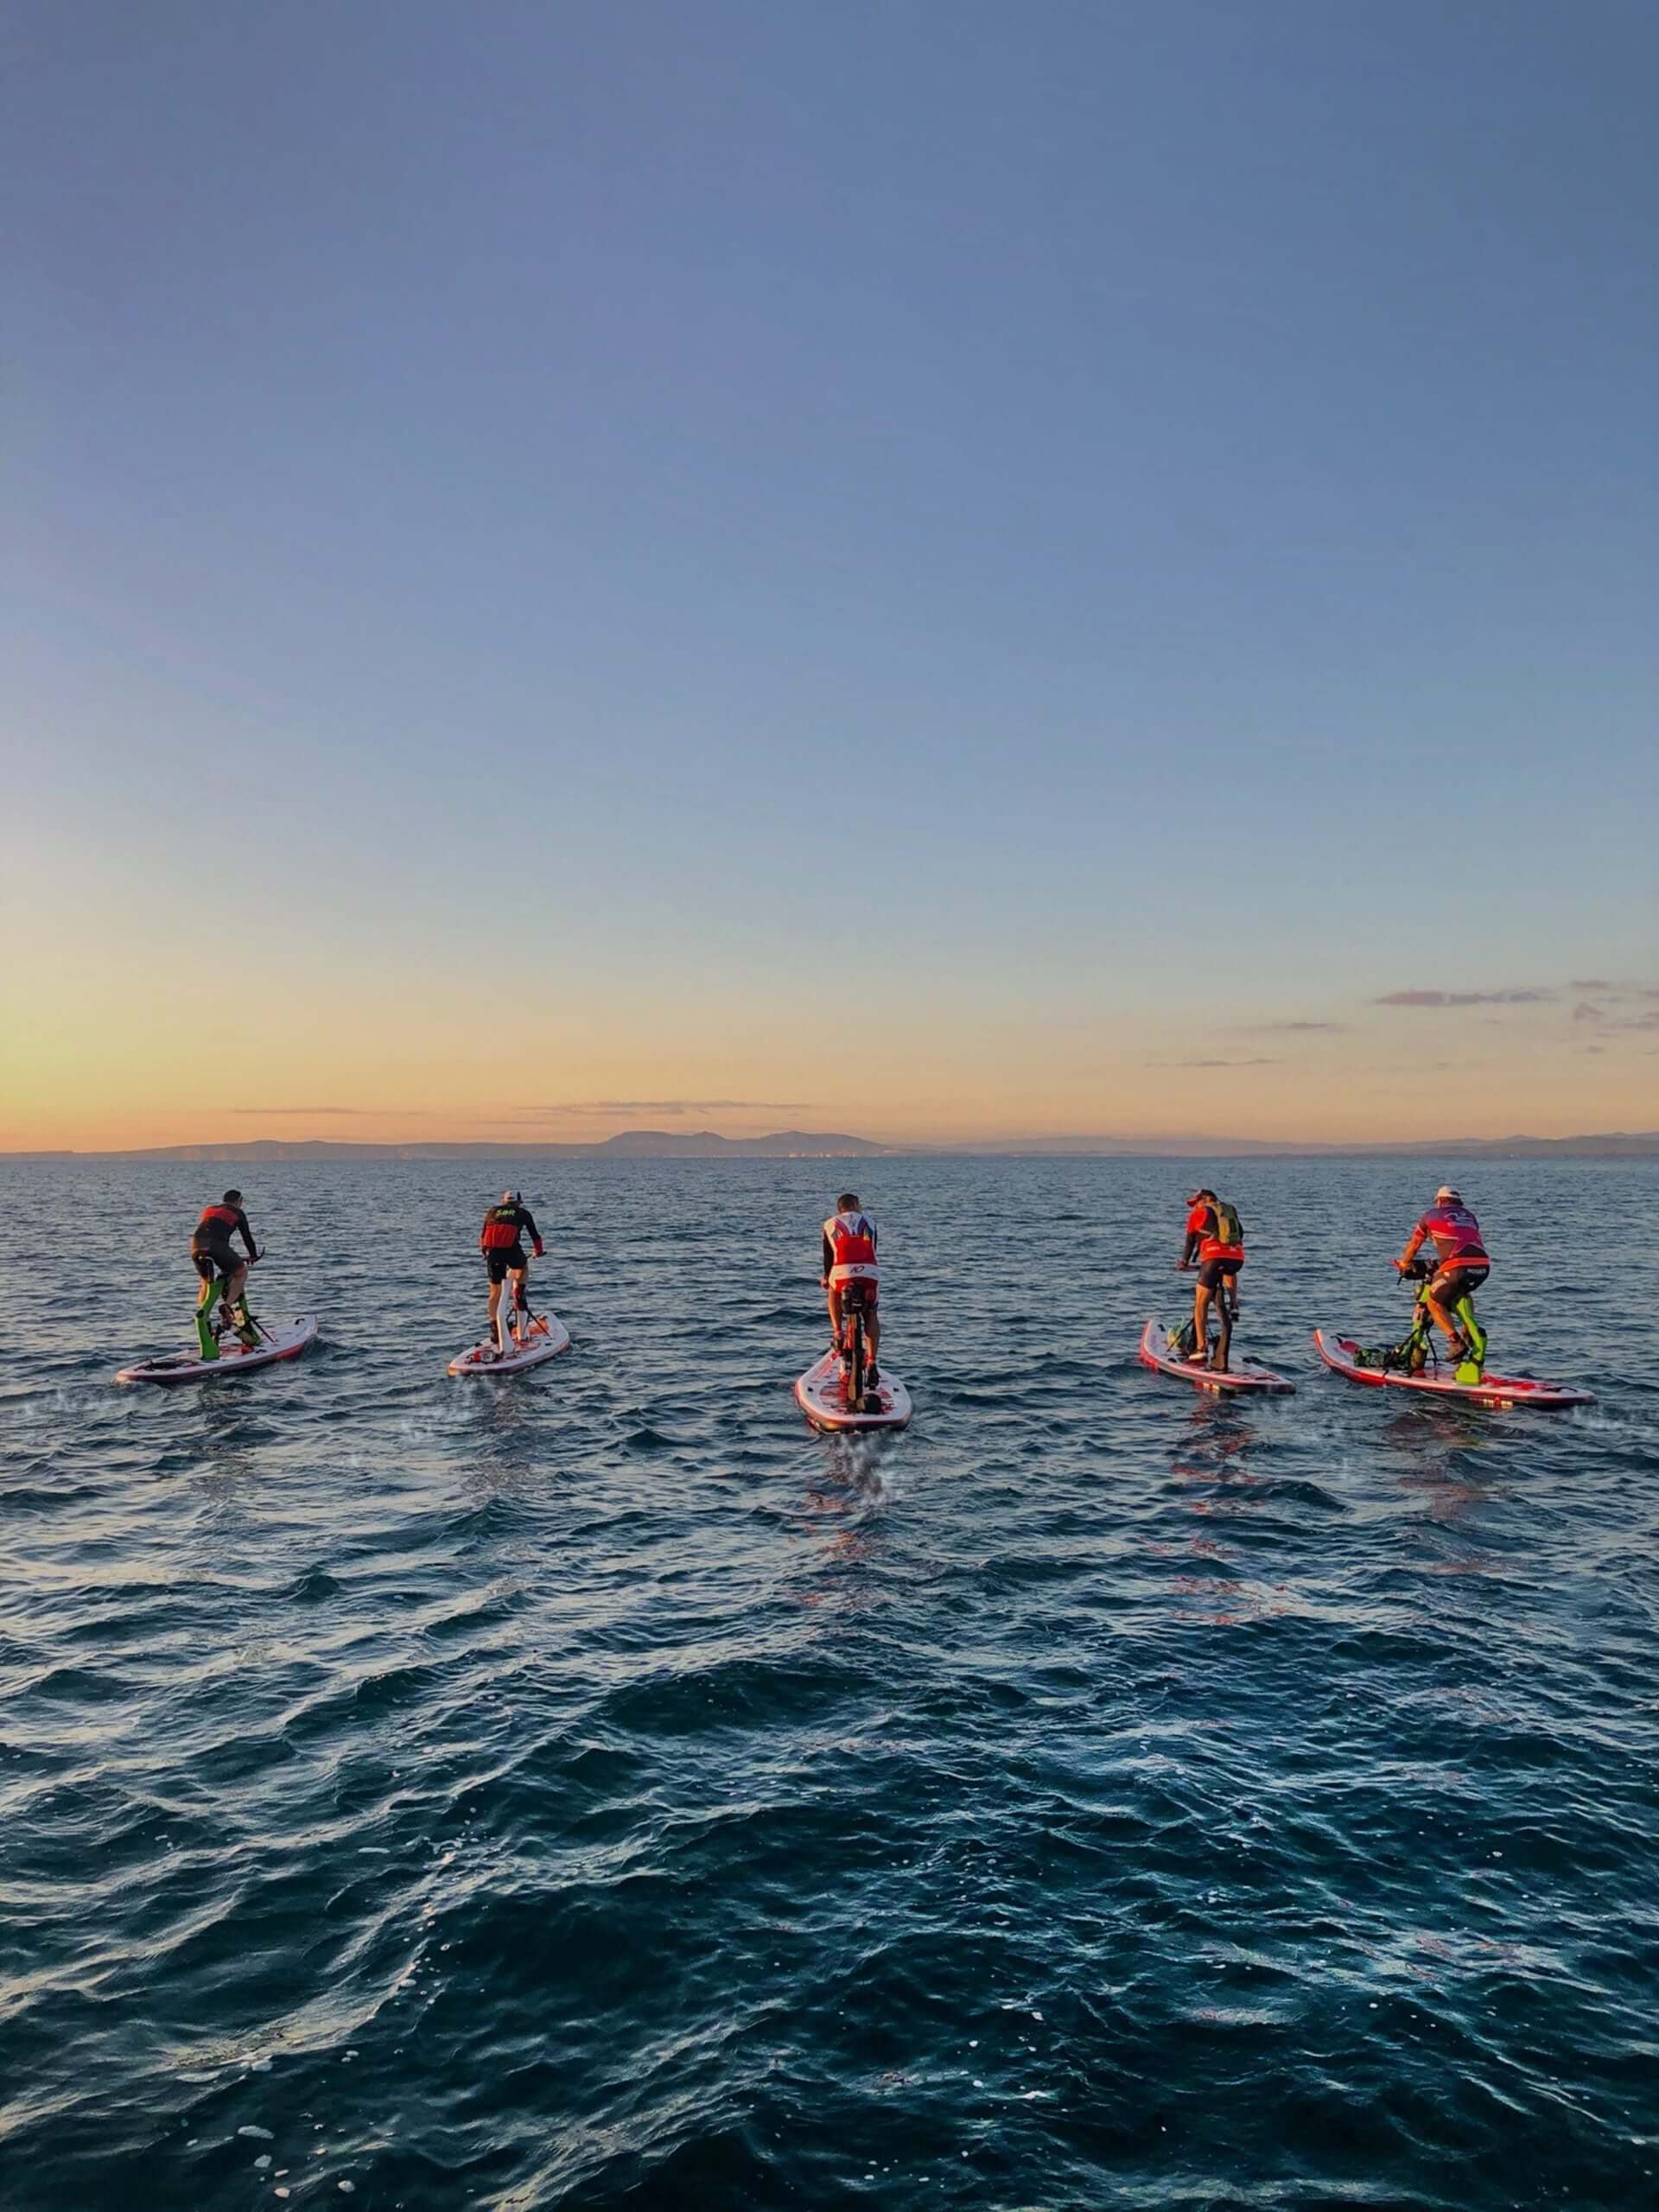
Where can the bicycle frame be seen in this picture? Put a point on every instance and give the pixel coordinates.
(216, 1295)
(854, 1356)
(1418, 1347)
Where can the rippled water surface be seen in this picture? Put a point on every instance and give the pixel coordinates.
(594, 1790)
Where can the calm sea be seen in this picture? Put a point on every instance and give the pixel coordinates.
(593, 1789)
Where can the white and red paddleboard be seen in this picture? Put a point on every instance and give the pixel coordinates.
(277, 1340)
(1154, 1352)
(821, 1394)
(1339, 1355)
(547, 1340)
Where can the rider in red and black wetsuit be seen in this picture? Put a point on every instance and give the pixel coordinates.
(1461, 1262)
(215, 1260)
(500, 1242)
(1215, 1237)
(850, 1269)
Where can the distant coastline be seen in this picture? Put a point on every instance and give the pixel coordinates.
(805, 1144)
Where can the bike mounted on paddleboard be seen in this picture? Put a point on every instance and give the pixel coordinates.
(251, 1343)
(1415, 1364)
(845, 1390)
(1159, 1349)
(522, 1338)
(1418, 1352)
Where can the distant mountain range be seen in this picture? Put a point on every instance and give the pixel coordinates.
(641, 1144)
(809, 1144)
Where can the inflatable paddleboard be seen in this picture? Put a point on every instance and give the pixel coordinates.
(1339, 1355)
(277, 1340)
(1154, 1352)
(821, 1394)
(483, 1359)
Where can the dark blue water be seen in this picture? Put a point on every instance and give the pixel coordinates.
(594, 1790)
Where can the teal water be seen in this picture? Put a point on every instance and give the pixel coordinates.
(594, 1790)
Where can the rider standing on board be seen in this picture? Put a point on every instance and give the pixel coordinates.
(1461, 1264)
(1215, 1237)
(215, 1261)
(500, 1241)
(850, 1257)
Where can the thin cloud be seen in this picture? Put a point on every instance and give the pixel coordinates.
(330, 1113)
(1293, 1028)
(1590, 984)
(1585, 1012)
(672, 1106)
(1463, 998)
(1215, 1064)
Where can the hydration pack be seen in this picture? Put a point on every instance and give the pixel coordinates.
(1229, 1229)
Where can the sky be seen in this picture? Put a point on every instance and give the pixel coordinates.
(936, 569)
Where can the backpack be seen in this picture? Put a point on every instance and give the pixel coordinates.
(1229, 1229)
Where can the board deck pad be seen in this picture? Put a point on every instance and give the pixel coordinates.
(1154, 1352)
(481, 1359)
(1502, 1391)
(821, 1394)
(279, 1340)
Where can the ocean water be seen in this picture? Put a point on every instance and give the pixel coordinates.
(594, 1790)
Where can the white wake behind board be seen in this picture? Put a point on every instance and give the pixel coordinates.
(821, 1394)
(483, 1359)
(1154, 1352)
(277, 1340)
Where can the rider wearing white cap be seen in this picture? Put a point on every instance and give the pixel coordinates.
(1461, 1264)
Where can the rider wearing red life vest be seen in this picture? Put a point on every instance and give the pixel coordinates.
(850, 1270)
(500, 1241)
(1215, 1237)
(1461, 1261)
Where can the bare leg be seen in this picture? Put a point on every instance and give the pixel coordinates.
(521, 1279)
(495, 1310)
(1200, 1319)
(833, 1297)
(1444, 1322)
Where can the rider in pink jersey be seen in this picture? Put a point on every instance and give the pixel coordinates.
(1461, 1264)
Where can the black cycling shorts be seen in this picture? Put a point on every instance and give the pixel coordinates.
(1458, 1278)
(1210, 1272)
(211, 1265)
(506, 1260)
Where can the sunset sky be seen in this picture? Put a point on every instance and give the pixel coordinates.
(937, 570)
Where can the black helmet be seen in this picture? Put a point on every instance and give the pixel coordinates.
(232, 1198)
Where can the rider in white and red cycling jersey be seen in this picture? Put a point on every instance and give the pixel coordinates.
(1461, 1264)
(850, 1257)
